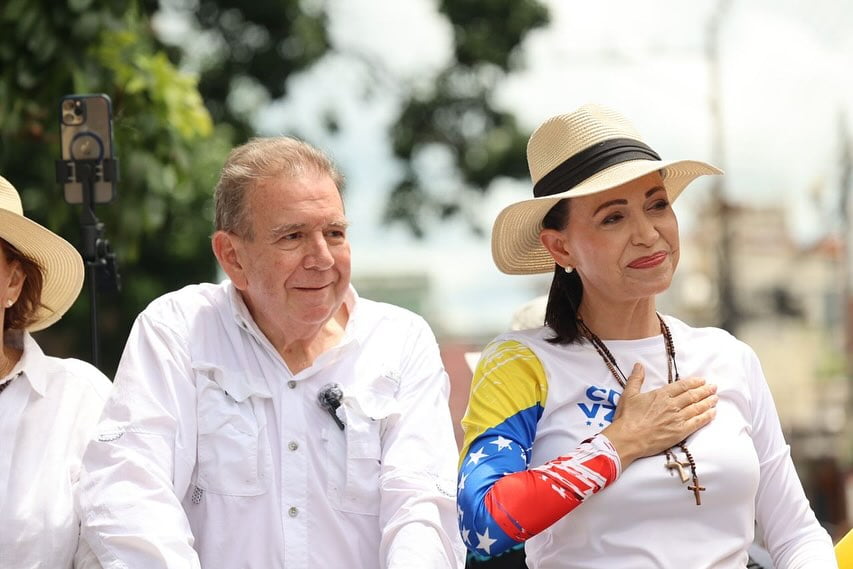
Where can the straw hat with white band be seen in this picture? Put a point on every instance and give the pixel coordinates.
(590, 150)
(60, 262)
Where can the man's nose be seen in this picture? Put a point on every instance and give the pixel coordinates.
(319, 256)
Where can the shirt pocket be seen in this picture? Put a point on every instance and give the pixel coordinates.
(354, 455)
(234, 457)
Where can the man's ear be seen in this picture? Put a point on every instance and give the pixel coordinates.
(227, 248)
(555, 243)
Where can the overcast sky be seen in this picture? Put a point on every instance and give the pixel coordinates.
(785, 81)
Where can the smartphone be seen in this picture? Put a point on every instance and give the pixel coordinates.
(86, 138)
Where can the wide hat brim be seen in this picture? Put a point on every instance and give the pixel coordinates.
(516, 248)
(61, 264)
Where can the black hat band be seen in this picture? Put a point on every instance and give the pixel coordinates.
(591, 161)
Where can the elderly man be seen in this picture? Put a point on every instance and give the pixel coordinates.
(276, 419)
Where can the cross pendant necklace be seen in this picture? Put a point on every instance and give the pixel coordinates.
(681, 467)
(671, 463)
(696, 489)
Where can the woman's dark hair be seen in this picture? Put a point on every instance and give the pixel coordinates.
(23, 312)
(564, 298)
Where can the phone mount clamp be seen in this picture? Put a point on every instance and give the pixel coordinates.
(101, 264)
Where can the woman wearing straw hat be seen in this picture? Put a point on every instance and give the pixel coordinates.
(48, 406)
(615, 436)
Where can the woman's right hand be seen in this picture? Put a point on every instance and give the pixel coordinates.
(648, 423)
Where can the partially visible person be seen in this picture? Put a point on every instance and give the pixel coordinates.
(276, 419)
(529, 315)
(48, 406)
(641, 440)
(844, 551)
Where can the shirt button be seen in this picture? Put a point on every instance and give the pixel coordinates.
(293, 511)
(293, 445)
(291, 384)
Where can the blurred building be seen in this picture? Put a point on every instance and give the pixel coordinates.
(407, 289)
(790, 309)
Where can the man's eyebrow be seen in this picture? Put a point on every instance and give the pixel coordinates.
(286, 228)
(609, 203)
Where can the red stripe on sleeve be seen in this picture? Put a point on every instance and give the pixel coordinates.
(528, 502)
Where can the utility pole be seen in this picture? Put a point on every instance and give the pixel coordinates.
(846, 321)
(844, 210)
(728, 313)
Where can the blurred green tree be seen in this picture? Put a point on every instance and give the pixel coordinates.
(458, 114)
(178, 112)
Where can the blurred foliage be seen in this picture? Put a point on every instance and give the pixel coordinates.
(251, 46)
(173, 128)
(168, 149)
(458, 113)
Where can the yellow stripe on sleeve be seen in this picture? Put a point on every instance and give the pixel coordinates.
(509, 379)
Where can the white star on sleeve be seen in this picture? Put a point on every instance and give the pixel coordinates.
(503, 443)
(485, 542)
(465, 532)
(477, 455)
(462, 482)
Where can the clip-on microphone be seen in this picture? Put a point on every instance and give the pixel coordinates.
(329, 399)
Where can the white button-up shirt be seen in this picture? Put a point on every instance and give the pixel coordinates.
(212, 453)
(47, 415)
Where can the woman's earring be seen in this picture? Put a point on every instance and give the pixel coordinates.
(568, 269)
(9, 303)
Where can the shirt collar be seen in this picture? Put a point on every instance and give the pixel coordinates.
(243, 317)
(351, 301)
(32, 362)
(244, 320)
(239, 310)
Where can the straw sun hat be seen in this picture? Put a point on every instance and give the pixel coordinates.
(590, 150)
(60, 262)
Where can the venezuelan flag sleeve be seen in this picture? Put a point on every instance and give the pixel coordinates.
(501, 501)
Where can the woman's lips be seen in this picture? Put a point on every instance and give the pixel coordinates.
(648, 262)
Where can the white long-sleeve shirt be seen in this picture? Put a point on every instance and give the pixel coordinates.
(533, 401)
(47, 415)
(212, 453)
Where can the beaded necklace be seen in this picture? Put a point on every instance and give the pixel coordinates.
(616, 372)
